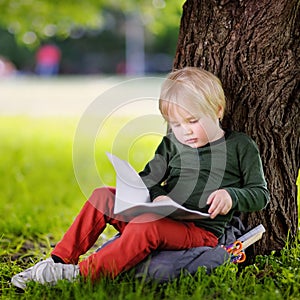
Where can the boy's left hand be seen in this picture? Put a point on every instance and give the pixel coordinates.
(220, 203)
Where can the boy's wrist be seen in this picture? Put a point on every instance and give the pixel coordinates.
(233, 196)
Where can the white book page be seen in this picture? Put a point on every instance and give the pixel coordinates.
(130, 188)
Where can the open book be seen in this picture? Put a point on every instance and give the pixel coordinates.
(132, 196)
(252, 236)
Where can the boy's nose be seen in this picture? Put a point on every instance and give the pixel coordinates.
(187, 129)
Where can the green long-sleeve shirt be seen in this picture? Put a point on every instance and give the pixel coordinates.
(189, 175)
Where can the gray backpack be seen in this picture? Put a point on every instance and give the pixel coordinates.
(165, 265)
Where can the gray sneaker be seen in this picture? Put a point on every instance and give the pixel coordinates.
(46, 272)
(20, 280)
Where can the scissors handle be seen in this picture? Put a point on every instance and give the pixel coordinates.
(235, 247)
(238, 258)
(236, 251)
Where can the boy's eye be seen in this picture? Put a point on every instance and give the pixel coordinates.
(192, 121)
(175, 124)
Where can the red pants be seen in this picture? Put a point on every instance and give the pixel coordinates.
(139, 237)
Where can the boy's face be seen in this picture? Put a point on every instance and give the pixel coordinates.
(192, 131)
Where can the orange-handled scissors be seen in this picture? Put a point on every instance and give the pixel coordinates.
(236, 251)
(238, 258)
(235, 247)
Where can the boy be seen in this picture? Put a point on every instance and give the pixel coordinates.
(198, 165)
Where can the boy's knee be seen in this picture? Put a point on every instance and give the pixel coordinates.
(104, 192)
(103, 199)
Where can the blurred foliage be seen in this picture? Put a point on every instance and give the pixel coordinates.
(91, 34)
(21, 56)
(31, 21)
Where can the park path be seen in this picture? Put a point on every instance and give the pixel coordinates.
(59, 96)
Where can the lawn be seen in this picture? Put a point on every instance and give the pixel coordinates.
(40, 195)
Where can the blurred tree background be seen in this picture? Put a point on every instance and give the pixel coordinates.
(94, 36)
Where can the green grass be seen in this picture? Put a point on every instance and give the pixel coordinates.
(39, 197)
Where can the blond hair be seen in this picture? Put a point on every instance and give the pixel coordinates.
(197, 91)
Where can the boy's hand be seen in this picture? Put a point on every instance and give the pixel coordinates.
(161, 198)
(220, 203)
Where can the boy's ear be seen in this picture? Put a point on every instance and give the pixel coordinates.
(220, 112)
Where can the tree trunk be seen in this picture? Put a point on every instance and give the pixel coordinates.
(253, 47)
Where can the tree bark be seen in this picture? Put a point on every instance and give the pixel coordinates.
(253, 47)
